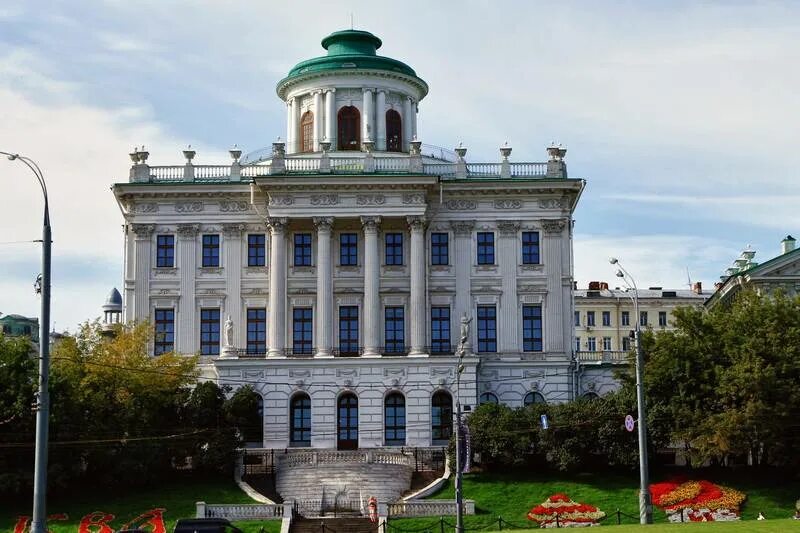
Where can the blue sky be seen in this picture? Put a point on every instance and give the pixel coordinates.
(682, 116)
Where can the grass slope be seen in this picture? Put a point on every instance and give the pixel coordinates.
(178, 498)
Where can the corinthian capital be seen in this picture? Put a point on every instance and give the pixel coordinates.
(371, 224)
(143, 231)
(416, 223)
(462, 227)
(323, 224)
(553, 227)
(277, 224)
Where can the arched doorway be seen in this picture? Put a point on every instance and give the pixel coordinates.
(441, 418)
(307, 132)
(347, 422)
(394, 131)
(349, 128)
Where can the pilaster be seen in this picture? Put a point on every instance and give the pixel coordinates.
(143, 260)
(232, 248)
(554, 267)
(462, 261)
(508, 314)
(187, 340)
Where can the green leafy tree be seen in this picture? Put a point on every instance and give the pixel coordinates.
(244, 411)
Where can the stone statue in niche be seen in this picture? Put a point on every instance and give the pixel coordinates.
(228, 331)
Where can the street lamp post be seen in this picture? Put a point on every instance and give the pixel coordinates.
(645, 504)
(42, 406)
(459, 466)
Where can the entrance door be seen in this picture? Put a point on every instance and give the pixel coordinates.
(347, 434)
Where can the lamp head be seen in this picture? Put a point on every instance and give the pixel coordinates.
(12, 157)
(612, 260)
(620, 274)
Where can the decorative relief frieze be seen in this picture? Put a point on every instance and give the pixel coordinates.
(143, 208)
(508, 228)
(255, 291)
(346, 372)
(280, 200)
(211, 292)
(398, 371)
(533, 374)
(553, 227)
(188, 207)
(256, 270)
(508, 204)
(299, 373)
(167, 292)
(370, 199)
(143, 231)
(229, 206)
(415, 198)
(487, 373)
(324, 199)
(210, 270)
(253, 374)
(461, 205)
(440, 371)
(532, 268)
(165, 271)
(552, 203)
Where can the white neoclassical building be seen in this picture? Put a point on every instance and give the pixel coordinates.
(333, 271)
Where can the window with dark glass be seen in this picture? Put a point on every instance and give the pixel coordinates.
(577, 344)
(394, 416)
(532, 328)
(440, 330)
(440, 249)
(643, 318)
(530, 247)
(300, 431)
(347, 423)
(210, 250)
(662, 318)
(626, 344)
(626, 318)
(590, 318)
(302, 330)
(302, 249)
(164, 331)
(441, 416)
(165, 251)
(349, 129)
(307, 132)
(591, 344)
(348, 249)
(606, 344)
(209, 331)
(532, 398)
(485, 248)
(394, 248)
(257, 330)
(256, 250)
(577, 318)
(487, 397)
(348, 330)
(487, 328)
(395, 330)
(394, 131)
(606, 318)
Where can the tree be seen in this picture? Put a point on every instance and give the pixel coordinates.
(244, 410)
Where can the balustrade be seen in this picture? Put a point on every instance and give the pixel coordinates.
(261, 511)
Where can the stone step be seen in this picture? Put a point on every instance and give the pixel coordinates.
(333, 525)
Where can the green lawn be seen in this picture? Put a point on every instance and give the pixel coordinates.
(178, 498)
(512, 495)
(765, 526)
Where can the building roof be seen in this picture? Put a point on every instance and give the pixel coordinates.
(349, 50)
(19, 317)
(113, 301)
(642, 293)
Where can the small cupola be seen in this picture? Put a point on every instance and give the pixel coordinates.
(112, 310)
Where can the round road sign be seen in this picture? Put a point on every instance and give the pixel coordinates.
(629, 422)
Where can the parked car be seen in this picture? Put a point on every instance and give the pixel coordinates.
(205, 525)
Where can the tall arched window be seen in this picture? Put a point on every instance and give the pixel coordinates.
(394, 415)
(487, 397)
(394, 131)
(532, 398)
(300, 420)
(349, 128)
(441, 417)
(347, 422)
(307, 132)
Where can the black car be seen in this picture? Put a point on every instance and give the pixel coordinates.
(205, 525)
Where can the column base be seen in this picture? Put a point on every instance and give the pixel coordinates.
(418, 353)
(229, 352)
(371, 353)
(323, 355)
(275, 352)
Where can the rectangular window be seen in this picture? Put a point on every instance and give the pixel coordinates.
(394, 248)
(302, 330)
(256, 250)
(302, 249)
(348, 249)
(626, 318)
(591, 344)
(606, 344)
(487, 328)
(643, 318)
(662, 318)
(209, 331)
(165, 251)
(165, 331)
(532, 328)
(485, 248)
(577, 344)
(577, 318)
(590, 318)
(395, 330)
(440, 249)
(210, 250)
(530, 247)
(348, 330)
(440, 330)
(257, 331)
(606, 318)
(626, 344)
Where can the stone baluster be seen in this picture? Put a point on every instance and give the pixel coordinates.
(276, 330)
(324, 318)
(372, 281)
(418, 309)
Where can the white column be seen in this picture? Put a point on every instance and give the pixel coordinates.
(553, 259)
(368, 131)
(406, 123)
(372, 282)
(330, 117)
(508, 315)
(276, 314)
(324, 314)
(143, 260)
(380, 120)
(414, 112)
(462, 262)
(318, 114)
(417, 309)
(289, 124)
(186, 337)
(295, 147)
(232, 262)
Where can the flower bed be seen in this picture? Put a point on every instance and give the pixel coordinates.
(560, 511)
(697, 501)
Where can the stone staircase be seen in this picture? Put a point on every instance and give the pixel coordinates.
(333, 525)
(340, 479)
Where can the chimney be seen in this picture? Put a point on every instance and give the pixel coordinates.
(594, 285)
(574, 285)
(787, 244)
(603, 286)
(697, 287)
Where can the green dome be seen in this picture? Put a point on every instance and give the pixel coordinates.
(350, 50)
